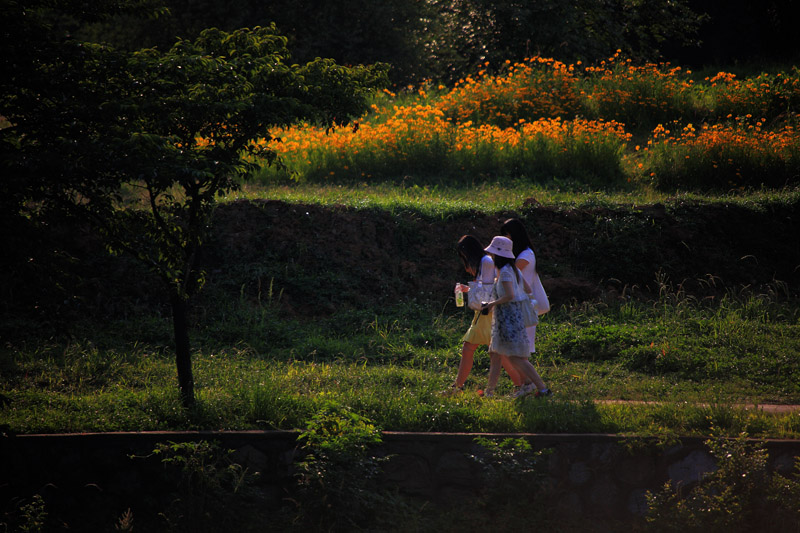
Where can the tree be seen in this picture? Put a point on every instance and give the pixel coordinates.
(141, 144)
(462, 35)
(437, 39)
(348, 31)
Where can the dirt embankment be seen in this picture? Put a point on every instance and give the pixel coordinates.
(314, 260)
(321, 258)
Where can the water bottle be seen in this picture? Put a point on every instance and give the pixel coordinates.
(459, 296)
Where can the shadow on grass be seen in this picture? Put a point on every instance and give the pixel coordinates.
(549, 415)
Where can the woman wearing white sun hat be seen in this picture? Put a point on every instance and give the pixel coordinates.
(515, 230)
(478, 263)
(509, 337)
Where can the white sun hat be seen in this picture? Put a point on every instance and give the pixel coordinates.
(501, 246)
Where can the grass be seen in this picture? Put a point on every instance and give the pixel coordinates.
(696, 361)
(442, 200)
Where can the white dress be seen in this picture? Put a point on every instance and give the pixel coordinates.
(532, 277)
(508, 329)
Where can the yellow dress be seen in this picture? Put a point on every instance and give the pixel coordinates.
(480, 331)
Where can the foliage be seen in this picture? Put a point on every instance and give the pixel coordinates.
(29, 516)
(739, 495)
(208, 489)
(469, 33)
(350, 32)
(738, 155)
(510, 468)
(339, 433)
(510, 461)
(525, 91)
(434, 39)
(421, 142)
(641, 96)
(448, 40)
(774, 96)
(336, 474)
(171, 130)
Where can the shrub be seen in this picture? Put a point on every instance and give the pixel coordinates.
(740, 495)
(335, 486)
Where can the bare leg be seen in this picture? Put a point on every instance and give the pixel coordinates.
(494, 371)
(465, 366)
(515, 376)
(528, 371)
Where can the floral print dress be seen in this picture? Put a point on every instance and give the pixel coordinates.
(509, 336)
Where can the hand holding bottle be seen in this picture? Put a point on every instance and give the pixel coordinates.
(459, 295)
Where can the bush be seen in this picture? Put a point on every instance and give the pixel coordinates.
(740, 495)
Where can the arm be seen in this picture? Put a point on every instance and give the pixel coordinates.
(487, 273)
(508, 290)
(521, 264)
(527, 287)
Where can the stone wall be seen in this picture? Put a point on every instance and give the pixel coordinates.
(590, 475)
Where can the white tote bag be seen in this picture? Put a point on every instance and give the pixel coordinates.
(478, 293)
(529, 305)
(538, 294)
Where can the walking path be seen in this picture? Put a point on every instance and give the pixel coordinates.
(776, 409)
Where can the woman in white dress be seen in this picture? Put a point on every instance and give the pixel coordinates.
(526, 263)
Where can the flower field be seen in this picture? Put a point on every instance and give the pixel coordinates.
(612, 125)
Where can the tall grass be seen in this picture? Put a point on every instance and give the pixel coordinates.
(694, 361)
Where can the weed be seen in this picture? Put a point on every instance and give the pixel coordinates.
(33, 515)
(510, 468)
(336, 474)
(125, 522)
(28, 515)
(740, 495)
(206, 482)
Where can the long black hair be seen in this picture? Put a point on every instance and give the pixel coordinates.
(515, 230)
(500, 262)
(471, 252)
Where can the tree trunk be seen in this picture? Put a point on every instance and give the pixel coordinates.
(183, 356)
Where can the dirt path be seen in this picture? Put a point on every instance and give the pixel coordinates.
(776, 409)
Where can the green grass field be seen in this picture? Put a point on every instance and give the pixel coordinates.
(257, 369)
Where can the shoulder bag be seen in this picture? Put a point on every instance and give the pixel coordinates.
(542, 302)
(479, 292)
(528, 308)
